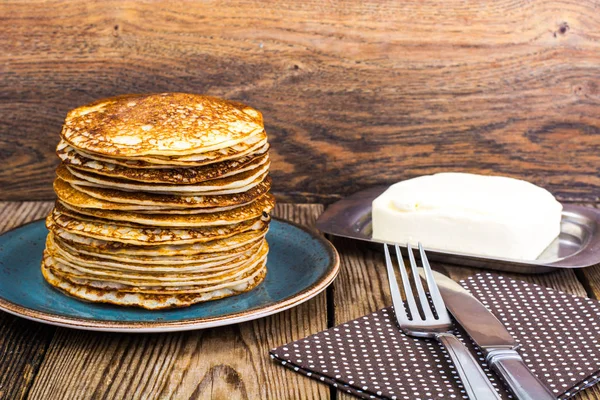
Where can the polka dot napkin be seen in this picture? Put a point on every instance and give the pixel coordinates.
(558, 334)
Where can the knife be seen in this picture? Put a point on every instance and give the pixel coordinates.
(494, 340)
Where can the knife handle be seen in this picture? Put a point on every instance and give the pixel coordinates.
(522, 382)
(476, 383)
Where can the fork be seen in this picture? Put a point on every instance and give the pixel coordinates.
(471, 374)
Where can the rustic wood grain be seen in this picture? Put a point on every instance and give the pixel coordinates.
(23, 343)
(591, 280)
(362, 286)
(354, 93)
(592, 393)
(222, 363)
(590, 277)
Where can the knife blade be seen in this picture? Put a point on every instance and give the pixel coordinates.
(493, 338)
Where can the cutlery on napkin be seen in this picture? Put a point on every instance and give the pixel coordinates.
(496, 343)
(558, 335)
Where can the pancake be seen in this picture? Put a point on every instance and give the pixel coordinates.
(235, 183)
(231, 153)
(165, 175)
(144, 235)
(254, 146)
(162, 281)
(159, 275)
(189, 211)
(243, 213)
(178, 281)
(173, 176)
(147, 301)
(257, 189)
(117, 250)
(151, 287)
(72, 196)
(165, 124)
(151, 264)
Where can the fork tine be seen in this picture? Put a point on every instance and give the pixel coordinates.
(410, 297)
(399, 310)
(422, 297)
(434, 292)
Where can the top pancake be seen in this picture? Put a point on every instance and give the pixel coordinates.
(166, 124)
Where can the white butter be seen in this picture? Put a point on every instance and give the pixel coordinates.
(466, 213)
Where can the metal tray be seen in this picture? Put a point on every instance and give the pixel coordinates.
(577, 246)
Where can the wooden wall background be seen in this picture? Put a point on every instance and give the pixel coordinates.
(355, 93)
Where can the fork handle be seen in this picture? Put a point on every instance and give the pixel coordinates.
(475, 381)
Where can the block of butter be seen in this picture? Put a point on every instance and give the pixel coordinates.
(482, 215)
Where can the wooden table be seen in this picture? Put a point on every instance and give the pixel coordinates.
(43, 362)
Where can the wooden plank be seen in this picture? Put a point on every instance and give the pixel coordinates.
(347, 88)
(590, 277)
(228, 362)
(362, 286)
(23, 343)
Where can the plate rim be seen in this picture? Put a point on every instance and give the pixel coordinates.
(306, 294)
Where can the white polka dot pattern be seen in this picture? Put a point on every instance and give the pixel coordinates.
(369, 357)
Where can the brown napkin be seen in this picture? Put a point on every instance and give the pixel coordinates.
(558, 334)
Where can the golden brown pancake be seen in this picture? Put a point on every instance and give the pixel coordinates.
(108, 247)
(150, 263)
(160, 275)
(168, 272)
(73, 196)
(173, 176)
(117, 250)
(232, 184)
(148, 301)
(165, 175)
(253, 146)
(257, 189)
(195, 286)
(144, 235)
(239, 214)
(165, 124)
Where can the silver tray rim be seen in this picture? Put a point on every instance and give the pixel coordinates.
(339, 218)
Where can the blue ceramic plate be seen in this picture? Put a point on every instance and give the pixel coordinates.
(300, 265)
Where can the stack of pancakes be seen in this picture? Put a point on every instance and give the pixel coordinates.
(163, 201)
